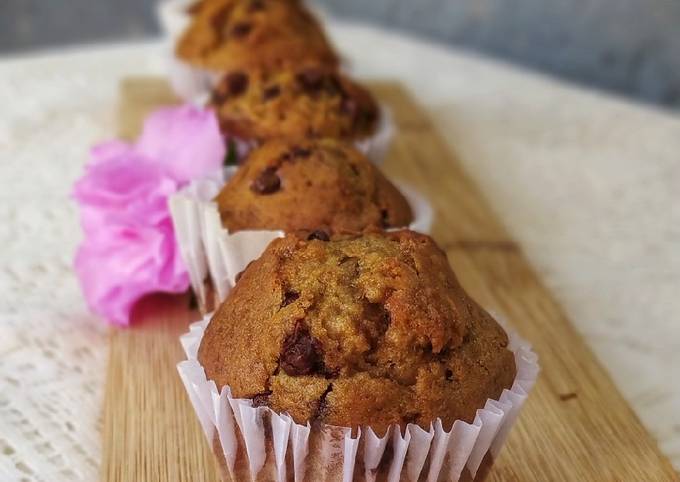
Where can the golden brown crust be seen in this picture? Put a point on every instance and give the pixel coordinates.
(234, 34)
(310, 184)
(307, 100)
(360, 330)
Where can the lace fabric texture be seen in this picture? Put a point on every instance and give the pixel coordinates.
(52, 351)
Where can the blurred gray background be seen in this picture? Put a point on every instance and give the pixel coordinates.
(631, 47)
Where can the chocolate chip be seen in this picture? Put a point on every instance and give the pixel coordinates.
(311, 79)
(271, 92)
(261, 399)
(449, 375)
(318, 234)
(300, 352)
(237, 83)
(289, 297)
(267, 182)
(301, 152)
(241, 29)
(256, 5)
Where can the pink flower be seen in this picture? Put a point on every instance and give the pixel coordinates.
(186, 139)
(129, 249)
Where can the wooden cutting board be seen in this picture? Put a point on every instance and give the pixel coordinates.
(575, 427)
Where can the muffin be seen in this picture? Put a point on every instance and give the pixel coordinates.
(232, 34)
(308, 100)
(360, 330)
(323, 184)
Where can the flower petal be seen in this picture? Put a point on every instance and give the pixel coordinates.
(128, 190)
(186, 140)
(109, 150)
(114, 275)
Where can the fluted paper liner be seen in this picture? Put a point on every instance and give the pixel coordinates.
(266, 445)
(194, 84)
(210, 250)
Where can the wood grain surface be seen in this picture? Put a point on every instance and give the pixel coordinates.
(576, 426)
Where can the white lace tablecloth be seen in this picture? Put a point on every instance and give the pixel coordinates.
(588, 184)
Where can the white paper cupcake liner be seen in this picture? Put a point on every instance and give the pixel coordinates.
(190, 83)
(194, 84)
(210, 251)
(377, 146)
(272, 444)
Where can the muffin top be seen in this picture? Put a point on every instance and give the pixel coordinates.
(306, 100)
(358, 330)
(233, 34)
(310, 184)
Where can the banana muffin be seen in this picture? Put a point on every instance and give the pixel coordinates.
(369, 329)
(323, 184)
(234, 34)
(306, 100)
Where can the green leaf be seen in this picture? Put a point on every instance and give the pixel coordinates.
(231, 159)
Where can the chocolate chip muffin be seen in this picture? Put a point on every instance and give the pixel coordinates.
(234, 34)
(369, 329)
(322, 184)
(306, 100)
